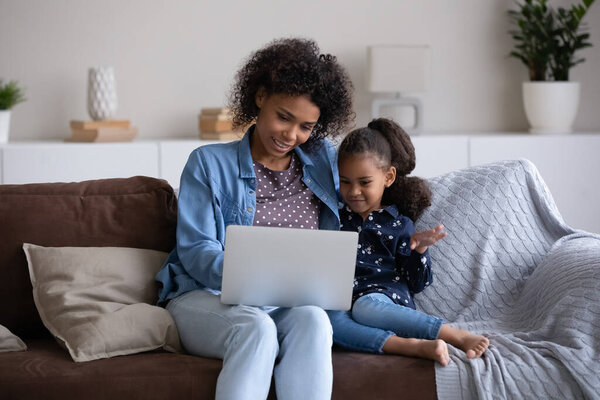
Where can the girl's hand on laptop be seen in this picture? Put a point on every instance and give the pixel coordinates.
(419, 241)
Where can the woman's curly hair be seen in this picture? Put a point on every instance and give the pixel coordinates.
(295, 67)
(392, 146)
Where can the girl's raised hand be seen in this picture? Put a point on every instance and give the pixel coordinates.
(421, 240)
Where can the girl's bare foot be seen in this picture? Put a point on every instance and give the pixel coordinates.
(473, 345)
(436, 350)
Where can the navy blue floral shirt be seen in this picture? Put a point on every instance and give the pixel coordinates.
(384, 262)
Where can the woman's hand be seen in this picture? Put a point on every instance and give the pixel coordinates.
(419, 241)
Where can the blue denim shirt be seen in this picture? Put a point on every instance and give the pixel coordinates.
(217, 189)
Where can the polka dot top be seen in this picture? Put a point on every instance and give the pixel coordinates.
(283, 200)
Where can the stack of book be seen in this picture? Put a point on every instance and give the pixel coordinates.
(217, 124)
(102, 131)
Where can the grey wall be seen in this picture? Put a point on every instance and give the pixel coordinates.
(174, 57)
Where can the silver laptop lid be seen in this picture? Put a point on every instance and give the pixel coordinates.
(286, 267)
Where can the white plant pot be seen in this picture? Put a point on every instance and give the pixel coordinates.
(4, 125)
(551, 107)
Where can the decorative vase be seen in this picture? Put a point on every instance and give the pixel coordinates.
(102, 93)
(4, 125)
(551, 107)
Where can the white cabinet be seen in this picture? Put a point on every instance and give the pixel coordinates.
(71, 162)
(569, 164)
(437, 155)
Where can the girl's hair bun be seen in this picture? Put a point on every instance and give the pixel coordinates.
(403, 151)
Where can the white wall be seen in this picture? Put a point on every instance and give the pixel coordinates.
(174, 57)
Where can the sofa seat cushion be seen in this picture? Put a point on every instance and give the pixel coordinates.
(382, 377)
(46, 371)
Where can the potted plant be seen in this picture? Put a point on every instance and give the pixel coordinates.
(10, 95)
(546, 41)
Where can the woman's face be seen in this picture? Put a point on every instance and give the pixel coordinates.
(284, 122)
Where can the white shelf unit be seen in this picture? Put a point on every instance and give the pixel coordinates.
(31, 162)
(569, 164)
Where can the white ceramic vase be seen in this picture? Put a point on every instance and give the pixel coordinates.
(4, 125)
(551, 107)
(102, 93)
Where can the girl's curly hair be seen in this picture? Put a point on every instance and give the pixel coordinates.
(392, 146)
(295, 67)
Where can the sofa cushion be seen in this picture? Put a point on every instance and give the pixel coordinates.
(138, 212)
(9, 341)
(96, 300)
(46, 371)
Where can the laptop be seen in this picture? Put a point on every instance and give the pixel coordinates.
(288, 267)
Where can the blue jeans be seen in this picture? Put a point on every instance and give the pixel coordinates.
(374, 318)
(250, 341)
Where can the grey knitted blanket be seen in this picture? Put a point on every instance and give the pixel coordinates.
(511, 269)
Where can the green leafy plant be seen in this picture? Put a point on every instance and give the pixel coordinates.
(546, 39)
(10, 95)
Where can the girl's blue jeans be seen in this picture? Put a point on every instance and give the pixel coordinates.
(374, 318)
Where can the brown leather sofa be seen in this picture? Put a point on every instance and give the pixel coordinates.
(136, 212)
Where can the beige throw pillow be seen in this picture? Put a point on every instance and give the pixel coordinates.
(10, 341)
(96, 300)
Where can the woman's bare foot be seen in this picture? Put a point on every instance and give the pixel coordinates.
(436, 350)
(473, 345)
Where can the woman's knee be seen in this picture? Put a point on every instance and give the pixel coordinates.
(256, 325)
(312, 318)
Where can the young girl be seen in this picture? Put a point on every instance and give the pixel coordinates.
(393, 260)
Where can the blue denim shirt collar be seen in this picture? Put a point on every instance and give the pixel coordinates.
(244, 155)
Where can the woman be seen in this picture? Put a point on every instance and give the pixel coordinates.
(296, 97)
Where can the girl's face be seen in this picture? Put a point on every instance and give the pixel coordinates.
(362, 182)
(284, 122)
